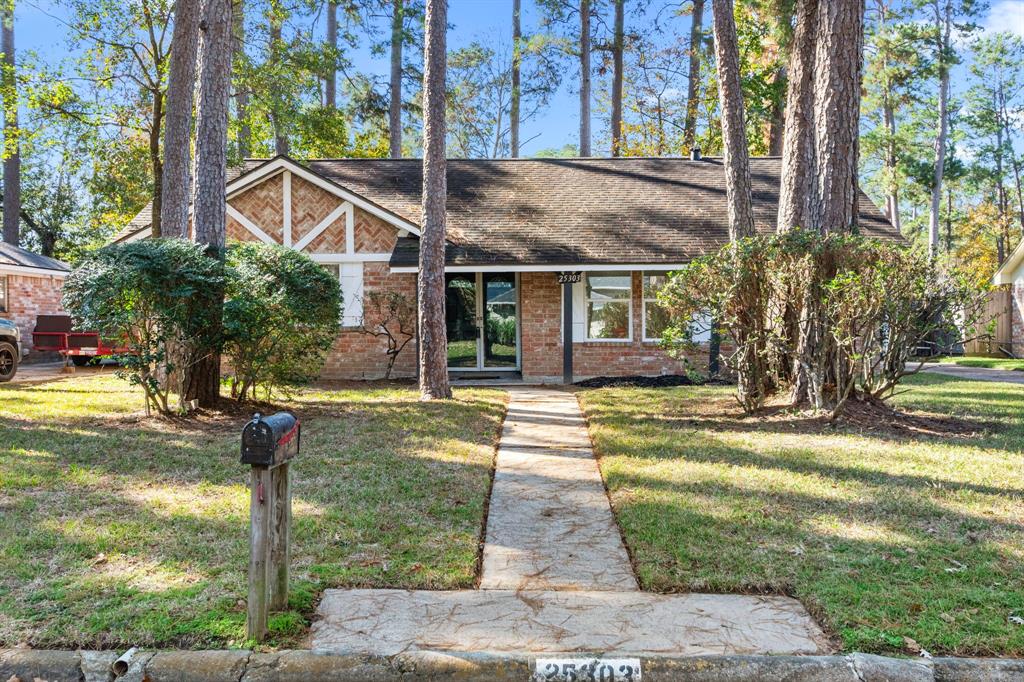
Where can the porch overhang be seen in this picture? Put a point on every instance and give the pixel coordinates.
(548, 267)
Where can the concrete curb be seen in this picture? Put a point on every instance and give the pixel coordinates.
(31, 665)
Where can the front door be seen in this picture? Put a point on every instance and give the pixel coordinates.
(483, 322)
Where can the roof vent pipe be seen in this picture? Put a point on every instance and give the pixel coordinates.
(695, 154)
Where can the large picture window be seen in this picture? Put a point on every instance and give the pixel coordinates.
(609, 305)
(656, 318)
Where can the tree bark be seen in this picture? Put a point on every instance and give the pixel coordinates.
(777, 124)
(734, 129)
(584, 77)
(618, 47)
(395, 107)
(797, 191)
(943, 32)
(241, 95)
(282, 144)
(839, 63)
(331, 86)
(209, 200)
(517, 56)
(433, 347)
(12, 146)
(157, 165)
(178, 128)
(693, 80)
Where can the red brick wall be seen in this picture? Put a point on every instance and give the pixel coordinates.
(359, 356)
(28, 297)
(541, 304)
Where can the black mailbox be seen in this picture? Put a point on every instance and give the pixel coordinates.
(269, 441)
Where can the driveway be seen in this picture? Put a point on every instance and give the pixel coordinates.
(978, 373)
(51, 371)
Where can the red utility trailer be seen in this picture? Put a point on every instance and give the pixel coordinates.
(54, 334)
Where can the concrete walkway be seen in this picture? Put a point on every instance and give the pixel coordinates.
(556, 577)
(977, 373)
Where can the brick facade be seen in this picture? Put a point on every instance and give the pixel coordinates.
(541, 320)
(28, 297)
(355, 355)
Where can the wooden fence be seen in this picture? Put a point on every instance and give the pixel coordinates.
(993, 339)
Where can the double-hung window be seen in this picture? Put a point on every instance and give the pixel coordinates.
(656, 318)
(609, 306)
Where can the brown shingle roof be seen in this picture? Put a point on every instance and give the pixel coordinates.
(585, 211)
(14, 255)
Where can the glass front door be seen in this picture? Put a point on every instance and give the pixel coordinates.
(481, 311)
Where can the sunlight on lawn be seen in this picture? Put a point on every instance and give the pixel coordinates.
(120, 530)
(882, 534)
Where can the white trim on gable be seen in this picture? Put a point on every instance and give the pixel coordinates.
(307, 239)
(286, 205)
(284, 164)
(1006, 272)
(249, 225)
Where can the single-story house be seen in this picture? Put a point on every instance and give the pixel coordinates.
(521, 233)
(1011, 275)
(30, 285)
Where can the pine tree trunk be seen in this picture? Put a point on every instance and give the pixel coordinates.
(156, 165)
(12, 151)
(777, 124)
(584, 77)
(693, 79)
(209, 201)
(892, 200)
(433, 334)
(517, 56)
(331, 86)
(241, 95)
(618, 47)
(797, 191)
(837, 85)
(734, 129)
(943, 29)
(178, 127)
(395, 108)
(282, 145)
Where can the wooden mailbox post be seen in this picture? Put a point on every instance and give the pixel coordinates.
(268, 444)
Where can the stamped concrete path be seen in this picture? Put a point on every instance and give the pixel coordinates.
(556, 577)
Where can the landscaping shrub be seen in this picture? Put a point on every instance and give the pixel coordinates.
(280, 318)
(501, 329)
(147, 297)
(825, 318)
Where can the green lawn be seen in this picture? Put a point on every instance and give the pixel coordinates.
(120, 530)
(991, 363)
(889, 538)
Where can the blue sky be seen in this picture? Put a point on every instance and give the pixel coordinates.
(484, 20)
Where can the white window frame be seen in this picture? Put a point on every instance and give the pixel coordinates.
(4, 293)
(587, 301)
(644, 301)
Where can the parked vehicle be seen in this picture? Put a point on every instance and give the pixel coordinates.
(11, 352)
(55, 334)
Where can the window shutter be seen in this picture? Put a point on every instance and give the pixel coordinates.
(579, 311)
(352, 294)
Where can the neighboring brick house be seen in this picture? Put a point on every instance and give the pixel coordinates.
(30, 285)
(615, 227)
(1011, 275)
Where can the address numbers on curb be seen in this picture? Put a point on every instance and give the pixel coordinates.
(587, 670)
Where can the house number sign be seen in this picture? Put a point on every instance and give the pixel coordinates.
(570, 277)
(587, 670)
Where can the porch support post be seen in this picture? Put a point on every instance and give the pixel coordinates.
(567, 333)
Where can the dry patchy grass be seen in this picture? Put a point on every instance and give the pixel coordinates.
(893, 538)
(119, 530)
